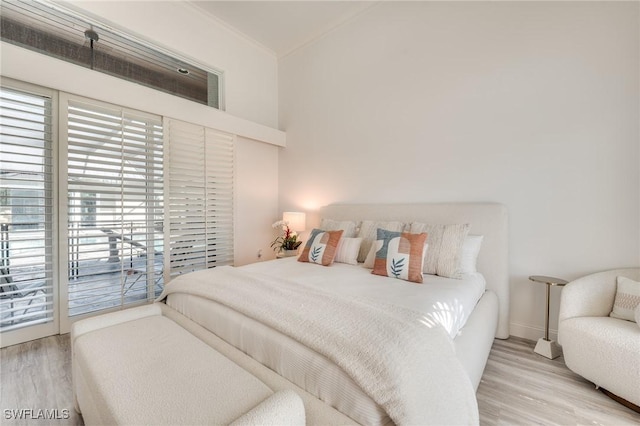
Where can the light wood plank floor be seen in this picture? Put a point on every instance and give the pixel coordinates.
(518, 387)
(521, 387)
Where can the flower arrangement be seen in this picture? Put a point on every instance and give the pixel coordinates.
(288, 241)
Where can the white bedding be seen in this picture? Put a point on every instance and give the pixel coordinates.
(442, 301)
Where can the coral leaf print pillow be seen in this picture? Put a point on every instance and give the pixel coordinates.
(401, 255)
(321, 247)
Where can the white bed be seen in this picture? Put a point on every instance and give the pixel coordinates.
(470, 312)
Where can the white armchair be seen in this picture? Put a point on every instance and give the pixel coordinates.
(603, 350)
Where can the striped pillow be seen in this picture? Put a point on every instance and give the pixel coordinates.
(347, 250)
(445, 247)
(434, 239)
(627, 299)
(321, 247)
(348, 226)
(401, 255)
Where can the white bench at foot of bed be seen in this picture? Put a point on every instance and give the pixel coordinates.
(139, 367)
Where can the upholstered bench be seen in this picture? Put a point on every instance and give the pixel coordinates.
(139, 367)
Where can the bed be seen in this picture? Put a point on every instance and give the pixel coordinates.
(358, 347)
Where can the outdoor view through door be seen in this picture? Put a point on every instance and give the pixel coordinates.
(26, 210)
(115, 206)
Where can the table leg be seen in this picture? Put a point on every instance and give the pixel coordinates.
(546, 318)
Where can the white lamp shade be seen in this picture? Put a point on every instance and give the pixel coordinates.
(296, 220)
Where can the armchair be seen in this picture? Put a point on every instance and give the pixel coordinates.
(602, 349)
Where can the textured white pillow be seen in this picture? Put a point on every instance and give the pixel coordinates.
(627, 299)
(434, 239)
(348, 226)
(445, 247)
(347, 251)
(637, 315)
(469, 254)
(371, 256)
(369, 233)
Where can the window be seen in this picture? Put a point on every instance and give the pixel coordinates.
(56, 31)
(200, 207)
(114, 206)
(27, 266)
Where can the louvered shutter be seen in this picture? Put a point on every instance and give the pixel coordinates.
(115, 206)
(200, 207)
(26, 210)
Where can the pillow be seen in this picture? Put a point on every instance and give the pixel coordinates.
(400, 256)
(321, 247)
(371, 256)
(349, 227)
(445, 247)
(637, 315)
(347, 250)
(627, 299)
(469, 254)
(367, 232)
(434, 239)
(377, 245)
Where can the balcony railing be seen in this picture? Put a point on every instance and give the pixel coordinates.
(107, 268)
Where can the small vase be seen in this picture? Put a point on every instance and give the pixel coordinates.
(288, 253)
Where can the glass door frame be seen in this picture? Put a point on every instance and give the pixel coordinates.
(32, 332)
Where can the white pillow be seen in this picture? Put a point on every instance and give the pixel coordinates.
(347, 251)
(348, 226)
(637, 315)
(445, 246)
(627, 299)
(469, 254)
(434, 239)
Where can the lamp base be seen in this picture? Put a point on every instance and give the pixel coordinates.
(548, 348)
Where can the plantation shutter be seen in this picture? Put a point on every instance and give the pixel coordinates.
(26, 210)
(115, 206)
(200, 207)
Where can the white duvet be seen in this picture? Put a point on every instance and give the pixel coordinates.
(443, 301)
(443, 395)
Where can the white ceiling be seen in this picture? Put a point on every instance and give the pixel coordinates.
(283, 26)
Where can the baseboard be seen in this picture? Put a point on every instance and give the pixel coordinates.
(529, 332)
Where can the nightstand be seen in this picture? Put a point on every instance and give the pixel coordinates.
(545, 347)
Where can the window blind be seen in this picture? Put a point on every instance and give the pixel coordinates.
(115, 206)
(200, 206)
(26, 209)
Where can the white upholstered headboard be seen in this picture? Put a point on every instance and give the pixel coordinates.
(488, 219)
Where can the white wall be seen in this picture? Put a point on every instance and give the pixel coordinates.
(533, 105)
(257, 207)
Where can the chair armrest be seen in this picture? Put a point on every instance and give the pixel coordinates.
(592, 295)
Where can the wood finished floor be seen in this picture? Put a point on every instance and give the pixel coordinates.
(518, 387)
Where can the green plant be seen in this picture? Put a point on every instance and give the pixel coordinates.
(288, 241)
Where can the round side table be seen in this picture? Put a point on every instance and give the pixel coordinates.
(545, 347)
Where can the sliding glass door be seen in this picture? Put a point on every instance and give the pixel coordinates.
(28, 264)
(114, 206)
(84, 226)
